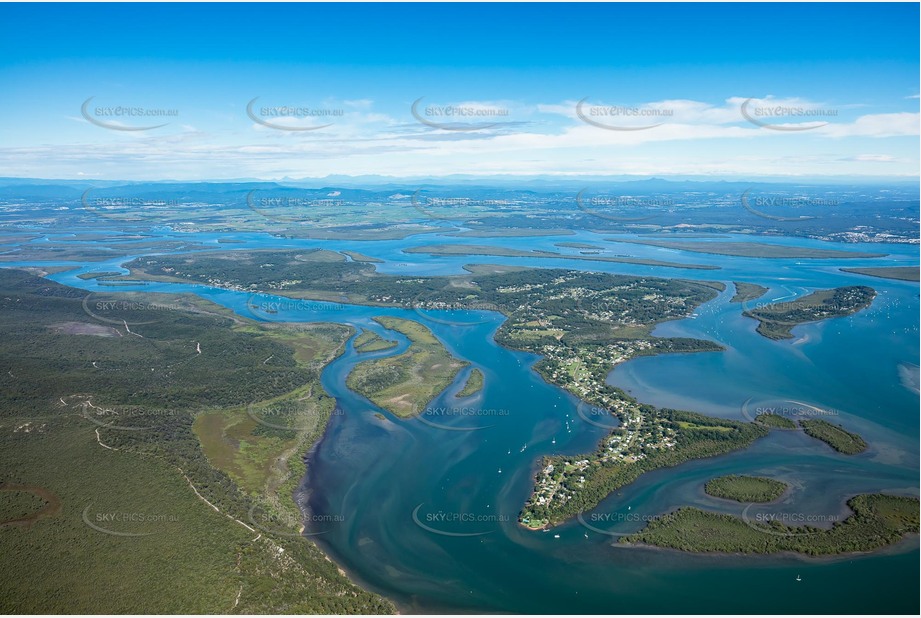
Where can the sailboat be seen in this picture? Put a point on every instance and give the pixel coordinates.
(798, 578)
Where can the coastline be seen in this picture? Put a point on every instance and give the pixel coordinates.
(359, 582)
(907, 544)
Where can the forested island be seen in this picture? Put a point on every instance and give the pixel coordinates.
(776, 321)
(369, 341)
(898, 273)
(473, 385)
(405, 384)
(750, 249)
(506, 252)
(878, 520)
(742, 488)
(747, 292)
(834, 436)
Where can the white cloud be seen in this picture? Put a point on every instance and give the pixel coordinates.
(549, 138)
(875, 158)
(875, 125)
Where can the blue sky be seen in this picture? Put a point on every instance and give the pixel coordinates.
(718, 90)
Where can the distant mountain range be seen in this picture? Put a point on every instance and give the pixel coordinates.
(633, 184)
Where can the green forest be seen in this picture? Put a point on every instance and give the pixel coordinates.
(878, 520)
(103, 423)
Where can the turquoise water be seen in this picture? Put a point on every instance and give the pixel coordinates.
(403, 486)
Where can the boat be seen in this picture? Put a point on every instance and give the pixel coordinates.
(798, 578)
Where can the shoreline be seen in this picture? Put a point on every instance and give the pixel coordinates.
(359, 582)
(899, 547)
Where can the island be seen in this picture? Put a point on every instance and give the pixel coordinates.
(577, 245)
(448, 249)
(746, 292)
(878, 520)
(511, 232)
(369, 341)
(54, 251)
(834, 436)
(750, 249)
(405, 384)
(898, 273)
(743, 488)
(473, 385)
(776, 321)
(97, 274)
